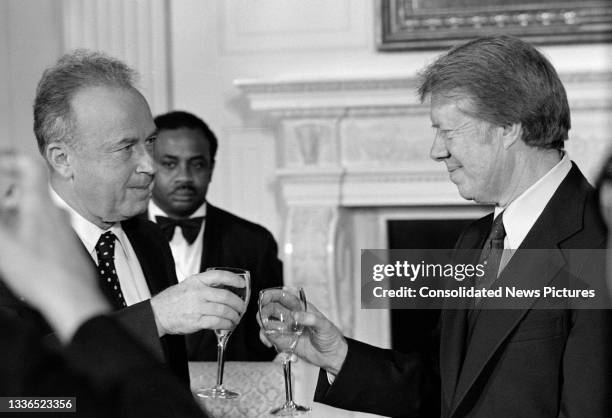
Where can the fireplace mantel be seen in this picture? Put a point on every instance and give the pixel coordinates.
(364, 141)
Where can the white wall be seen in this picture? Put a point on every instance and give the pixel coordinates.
(214, 43)
(30, 41)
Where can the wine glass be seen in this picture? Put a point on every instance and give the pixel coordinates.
(218, 391)
(276, 307)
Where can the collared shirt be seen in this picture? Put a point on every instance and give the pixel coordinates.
(187, 257)
(522, 213)
(131, 278)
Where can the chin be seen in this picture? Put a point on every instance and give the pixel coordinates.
(465, 192)
(136, 210)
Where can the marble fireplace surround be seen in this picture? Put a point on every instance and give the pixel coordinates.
(354, 153)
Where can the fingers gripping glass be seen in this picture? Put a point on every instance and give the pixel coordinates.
(277, 306)
(218, 391)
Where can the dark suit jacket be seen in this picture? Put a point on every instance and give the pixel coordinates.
(108, 372)
(230, 241)
(523, 362)
(157, 265)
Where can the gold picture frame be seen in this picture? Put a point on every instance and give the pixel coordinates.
(434, 24)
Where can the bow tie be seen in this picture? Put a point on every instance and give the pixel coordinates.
(189, 227)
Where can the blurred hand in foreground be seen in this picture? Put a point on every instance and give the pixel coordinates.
(42, 260)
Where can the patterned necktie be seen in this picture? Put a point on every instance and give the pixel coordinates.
(105, 250)
(491, 255)
(190, 227)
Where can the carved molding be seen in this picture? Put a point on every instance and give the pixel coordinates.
(386, 95)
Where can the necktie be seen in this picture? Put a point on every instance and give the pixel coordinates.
(105, 250)
(492, 252)
(490, 257)
(189, 227)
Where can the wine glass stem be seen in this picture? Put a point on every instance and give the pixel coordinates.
(287, 373)
(220, 353)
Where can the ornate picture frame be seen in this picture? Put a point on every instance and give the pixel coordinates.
(433, 24)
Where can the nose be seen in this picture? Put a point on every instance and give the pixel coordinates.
(146, 165)
(183, 173)
(438, 150)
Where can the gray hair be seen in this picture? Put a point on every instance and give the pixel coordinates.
(506, 81)
(53, 119)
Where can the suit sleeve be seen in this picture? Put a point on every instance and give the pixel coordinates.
(587, 362)
(269, 273)
(103, 367)
(139, 320)
(377, 381)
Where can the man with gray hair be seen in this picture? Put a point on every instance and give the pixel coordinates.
(95, 131)
(501, 117)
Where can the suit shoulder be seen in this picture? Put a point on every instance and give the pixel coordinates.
(227, 219)
(142, 226)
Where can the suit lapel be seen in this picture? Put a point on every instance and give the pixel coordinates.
(493, 326)
(142, 246)
(211, 242)
(562, 217)
(454, 321)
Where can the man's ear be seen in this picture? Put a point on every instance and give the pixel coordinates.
(58, 156)
(511, 133)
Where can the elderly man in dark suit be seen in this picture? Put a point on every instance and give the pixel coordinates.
(96, 133)
(202, 235)
(501, 117)
(98, 362)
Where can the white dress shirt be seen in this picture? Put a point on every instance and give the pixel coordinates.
(131, 278)
(187, 257)
(524, 211)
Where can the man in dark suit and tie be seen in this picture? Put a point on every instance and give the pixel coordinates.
(501, 117)
(202, 235)
(96, 133)
(97, 362)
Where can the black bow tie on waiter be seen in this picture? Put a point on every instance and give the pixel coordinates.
(189, 227)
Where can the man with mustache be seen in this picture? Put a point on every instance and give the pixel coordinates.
(96, 133)
(202, 235)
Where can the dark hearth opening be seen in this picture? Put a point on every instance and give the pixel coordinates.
(413, 331)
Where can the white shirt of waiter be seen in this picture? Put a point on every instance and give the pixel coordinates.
(187, 257)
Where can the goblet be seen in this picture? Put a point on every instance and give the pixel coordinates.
(218, 391)
(276, 308)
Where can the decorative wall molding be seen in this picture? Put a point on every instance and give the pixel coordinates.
(386, 94)
(134, 31)
(270, 26)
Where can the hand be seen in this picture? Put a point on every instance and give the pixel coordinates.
(196, 303)
(321, 343)
(42, 260)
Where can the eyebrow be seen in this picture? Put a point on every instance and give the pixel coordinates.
(126, 141)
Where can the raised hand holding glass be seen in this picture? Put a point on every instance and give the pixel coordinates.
(218, 391)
